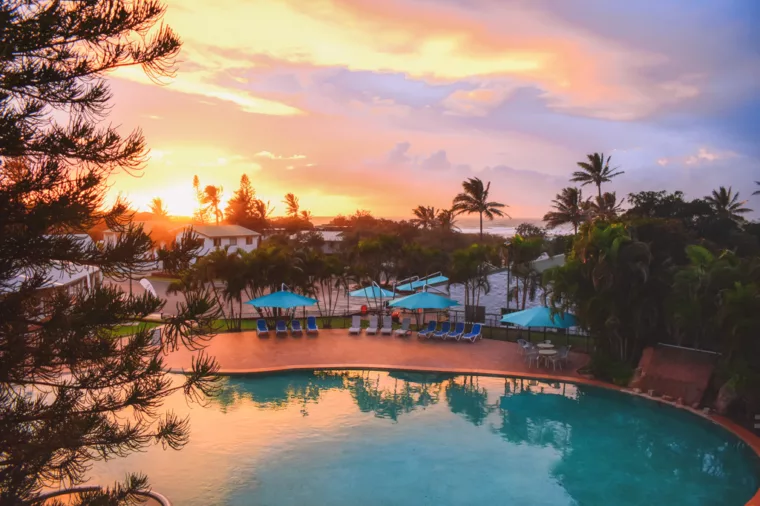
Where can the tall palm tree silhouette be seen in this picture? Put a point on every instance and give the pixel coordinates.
(474, 199)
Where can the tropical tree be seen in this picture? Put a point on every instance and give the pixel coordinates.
(756, 192)
(605, 207)
(157, 208)
(606, 282)
(595, 171)
(446, 220)
(291, 201)
(568, 208)
(201, 213)
(306, 216)
(263, 212)
(240, 208)
(212, 198)
(523, 251)
(73, 391)
(470, 267)
(474, 199)
(726, 204)
(425, 217)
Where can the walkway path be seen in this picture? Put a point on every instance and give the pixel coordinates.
(246, 352)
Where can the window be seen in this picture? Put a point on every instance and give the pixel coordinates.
(249, 240)
(217, 243)
(233, 241)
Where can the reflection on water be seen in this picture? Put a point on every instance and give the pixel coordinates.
(343, 437)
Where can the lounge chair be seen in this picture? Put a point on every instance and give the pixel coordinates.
(280, 328)
(295, 328)
(473, 334)
(457, 332)
(387, 326)
(445, 328)
(429, 330)
(373, 327)
(404, 330)
(261, 327)
(356, 325)
(311, 325)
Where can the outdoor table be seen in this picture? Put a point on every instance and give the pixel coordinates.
(545, 354)
(545, 346)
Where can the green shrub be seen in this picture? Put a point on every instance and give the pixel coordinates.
(607, 368)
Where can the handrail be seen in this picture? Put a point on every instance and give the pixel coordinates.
(162, 499)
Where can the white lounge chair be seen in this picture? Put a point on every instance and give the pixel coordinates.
(404, 330)
(387, 326)
(373, 326)
(356, 325)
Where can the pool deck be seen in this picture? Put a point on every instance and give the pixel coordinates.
(245, 352)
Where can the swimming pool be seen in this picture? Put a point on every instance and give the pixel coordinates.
(401, 438)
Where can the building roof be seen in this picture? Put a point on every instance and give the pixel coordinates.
(545, 262)
(222, 230)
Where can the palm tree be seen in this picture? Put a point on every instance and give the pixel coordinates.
(595, 171)
(726, 204)
(156, 207)
(425, 217)
(474, 199)
(306, 216)
(446, 219)
(292, 202)
(211, 198)
(605, 207)
(756, 192)
(568, 209)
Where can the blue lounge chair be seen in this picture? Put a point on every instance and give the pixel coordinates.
(445, 328)
(295, 328)
(429, 330)
(311, 325)
(473, 334)
(280, 328)
(261, 327)
(457, 332)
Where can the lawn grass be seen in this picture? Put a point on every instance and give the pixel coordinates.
(126, 330)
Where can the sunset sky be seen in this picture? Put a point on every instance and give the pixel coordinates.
(386, 105)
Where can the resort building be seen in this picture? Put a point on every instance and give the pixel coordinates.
(232, 237)
(67, 276)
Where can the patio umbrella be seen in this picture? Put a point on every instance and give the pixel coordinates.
(540, 317)
(282, 300)
(371, 291)
(423, 300)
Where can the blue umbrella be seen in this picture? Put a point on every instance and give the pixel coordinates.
(283, 300)
(423, 300)
(540, 317)
(371, 291)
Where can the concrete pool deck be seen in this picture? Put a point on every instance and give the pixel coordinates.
(245, 352)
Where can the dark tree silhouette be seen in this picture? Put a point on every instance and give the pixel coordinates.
(474, 199)
(596, 171)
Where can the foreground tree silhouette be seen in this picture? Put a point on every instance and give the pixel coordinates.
(291, 201)
(425, 217)
(596, 171)
(212, 198)
(474, 199)
(71, 391)
(726, 204)
(568, 208)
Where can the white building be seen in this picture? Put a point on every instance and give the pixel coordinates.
(232, 237)
(64, 276)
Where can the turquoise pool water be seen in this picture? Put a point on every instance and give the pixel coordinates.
(378, 438)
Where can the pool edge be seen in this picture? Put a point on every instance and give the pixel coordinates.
(752, 440)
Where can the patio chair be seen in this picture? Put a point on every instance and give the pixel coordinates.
(560, 358)
(261, 327)
(445, 329)
(404, 330)
(532, 355)
(457, 332)
(373, 325)
(311, 325)
(524, 346)
(387, 328)
(473, 334)
(280, 328)
(295, 328)
(356, 325)
(426, 333)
